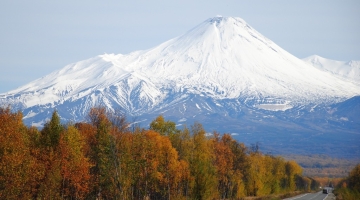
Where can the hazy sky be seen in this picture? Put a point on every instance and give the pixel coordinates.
(39, 37)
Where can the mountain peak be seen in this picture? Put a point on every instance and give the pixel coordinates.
(217, 19)
(224, 23)
(317, 58)
(223, 58)
(222, 72)
(220, 18)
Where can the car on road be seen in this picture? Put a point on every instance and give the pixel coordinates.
(327, 190)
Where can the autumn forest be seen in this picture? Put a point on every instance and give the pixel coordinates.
(107, 157)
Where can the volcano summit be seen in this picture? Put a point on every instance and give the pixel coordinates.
(222, 73)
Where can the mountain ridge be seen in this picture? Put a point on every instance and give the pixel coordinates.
(344, 69)
(113, 67)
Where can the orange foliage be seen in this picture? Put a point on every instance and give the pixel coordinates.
(104, 159)
(14, 156)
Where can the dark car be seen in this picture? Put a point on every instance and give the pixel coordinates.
(327, 190)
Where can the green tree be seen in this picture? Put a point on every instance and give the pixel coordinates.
(241, 163)
(50, 134)
(163, 127)
(292, 170)
(75, 167)
(278, 174)
(201, 165)
(102, 155)
(255, 174)
(50, 183)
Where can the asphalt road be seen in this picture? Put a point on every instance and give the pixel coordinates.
(313, 196)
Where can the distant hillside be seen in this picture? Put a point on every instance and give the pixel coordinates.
(323, 165)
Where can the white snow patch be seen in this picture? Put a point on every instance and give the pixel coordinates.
(274, 107)
(30, 114)
(208, 134)
(184, 106)
(312, 108)
(344, 119)
(198, 106)
(268, 116)
(216, 103)
(136, 122)
(38, 124)
(182, 120)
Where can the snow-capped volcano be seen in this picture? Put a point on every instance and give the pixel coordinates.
(222, 57)
(221, 67)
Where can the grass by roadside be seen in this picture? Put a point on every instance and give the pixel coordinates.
(346, 194)
(275, 197)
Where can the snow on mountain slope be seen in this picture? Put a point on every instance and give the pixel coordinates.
(345, 69)
(226, 58)
(222, 58)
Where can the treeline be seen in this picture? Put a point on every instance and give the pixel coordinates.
(323, 166)
(107, 158)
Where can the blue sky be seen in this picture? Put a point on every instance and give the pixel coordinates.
(39, 37)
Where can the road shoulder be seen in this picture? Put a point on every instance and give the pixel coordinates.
(331, 196)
